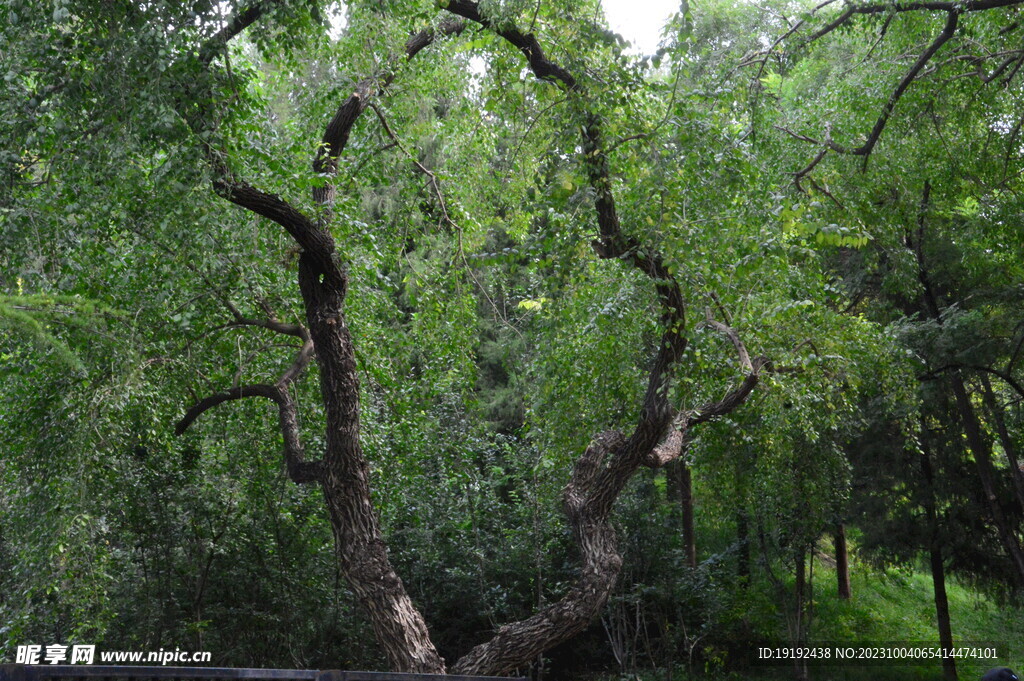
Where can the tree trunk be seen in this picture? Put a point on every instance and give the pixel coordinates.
(938, 567)
(842, 562)
(683, 479)
(968, 418)
(600, 473)
(399, 627)
(743, 542)
(588, 501)
(799, 597)
(343, 472)
(986, 473)
(942, 611)
(1009, 447)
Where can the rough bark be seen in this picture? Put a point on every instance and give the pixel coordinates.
(601, 472)
(362, 556)
(516, 644)
(343, 472)
(596, 484)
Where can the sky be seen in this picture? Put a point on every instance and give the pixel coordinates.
(639, 21)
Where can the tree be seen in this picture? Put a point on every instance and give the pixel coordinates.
(80, 61)
(938, 140)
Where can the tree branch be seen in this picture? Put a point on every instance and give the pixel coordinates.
(733, 337)
(675, 443)
(900, 7)
(337, 132)
(431, 177)
(299, 364)
(748, 61)
(612, 243)
(296, 330)
(1005, 377)
(299, 470)
(526, 43)
(235, 25)
(869, 143)
(271, 392)
(865, 149)
(734, 399)
(317, 244)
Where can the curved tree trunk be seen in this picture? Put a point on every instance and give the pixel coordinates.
(343, 473)
(595, 485)
(362, 554)
(515, 644)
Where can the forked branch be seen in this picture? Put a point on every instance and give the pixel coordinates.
(865, 148)
(678, 437)
(612, 458)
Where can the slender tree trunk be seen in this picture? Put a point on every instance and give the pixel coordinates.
(986, 472)
(683, 479)
(800, 585)
(1009, 447)
(842, 562)
(969, 419)
(938, 567)
(800, 598)
(942, 611)
(743, 540)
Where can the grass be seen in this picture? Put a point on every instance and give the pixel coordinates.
(896, 605)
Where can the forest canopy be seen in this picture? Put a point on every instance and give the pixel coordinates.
(458, 337)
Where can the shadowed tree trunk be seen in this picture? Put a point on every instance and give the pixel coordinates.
(968, 419)
(743, 542)
(986, 472)
(938, 568)
(682, 478)
(842, 562)
(1009, 446)
(799, 612)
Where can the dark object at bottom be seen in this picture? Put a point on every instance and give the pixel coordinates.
(95, 672)
(1000, 674)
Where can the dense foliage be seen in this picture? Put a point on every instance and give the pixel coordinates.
(784, 252)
